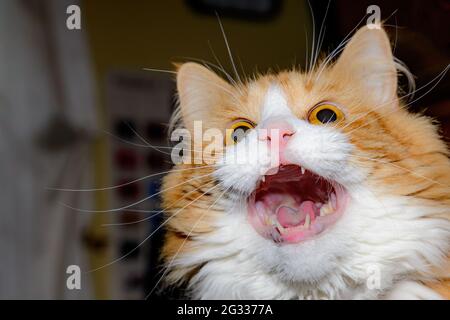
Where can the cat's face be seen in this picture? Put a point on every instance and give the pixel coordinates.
(329, 162)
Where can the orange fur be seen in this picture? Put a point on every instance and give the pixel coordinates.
(409, 156)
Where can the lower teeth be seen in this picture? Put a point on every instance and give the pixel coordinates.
(329, 207)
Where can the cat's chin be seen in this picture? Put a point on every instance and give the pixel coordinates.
(292, 205)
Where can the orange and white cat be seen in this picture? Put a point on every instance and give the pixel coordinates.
(357, 207)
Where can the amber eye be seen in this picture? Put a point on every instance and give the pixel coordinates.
(325, 113)
(237, 131)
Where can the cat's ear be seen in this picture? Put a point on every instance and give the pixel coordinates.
(200, 91)
(367, 62)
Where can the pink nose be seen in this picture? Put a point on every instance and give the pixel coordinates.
(280, 131)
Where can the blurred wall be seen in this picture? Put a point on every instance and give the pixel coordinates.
(47, 119)
(129, 36)
(154, 34)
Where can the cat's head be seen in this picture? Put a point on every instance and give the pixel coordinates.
(322, 173)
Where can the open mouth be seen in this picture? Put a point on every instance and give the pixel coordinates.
(292, 204)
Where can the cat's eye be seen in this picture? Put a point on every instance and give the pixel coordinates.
(238, 130)
(325, 113)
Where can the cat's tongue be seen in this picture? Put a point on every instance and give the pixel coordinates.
(292, 217)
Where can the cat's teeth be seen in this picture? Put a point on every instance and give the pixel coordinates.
(326, 209)
(307, 222)
(333, 200)
(263, 178)
(276, 224)
(280, 227)
(302, 170)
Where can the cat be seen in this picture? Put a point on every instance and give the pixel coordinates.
(357, 206)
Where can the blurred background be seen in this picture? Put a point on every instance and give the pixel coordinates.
(78, 111)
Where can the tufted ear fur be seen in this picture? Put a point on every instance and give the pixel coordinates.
(200, 91)
(367, 62)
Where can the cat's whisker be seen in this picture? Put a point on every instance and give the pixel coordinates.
(131, 143)
(152, 233)
(338, 49)
(232, 95)
(367, 190)
(402, 70)
(344, 42)
(411, 93)
(130, 182)
(306, 46)
(175, 147)
(144, 140)
(158, 212)
(152, 146)
(439, 79)
(195, 151)
(229, 77)
(310, 65)
(137, 202)
(167, 268)
(196, 78)
(321, 36)
(390, 16)
(203, 61)
(218, 67)
(330, 58)
(394, 47)
(142, 210)
(241, 66)
(402, 168)
(228, 48)
(159, 70)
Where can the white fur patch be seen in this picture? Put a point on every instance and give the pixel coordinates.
(337, 265)
(408, 290)
(378, 240)
(275, 104)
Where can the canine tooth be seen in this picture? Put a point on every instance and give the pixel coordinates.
(333, 200)
(263, 178)
(280, 227)
(277, 224)
(307, 221)
(303, 170)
